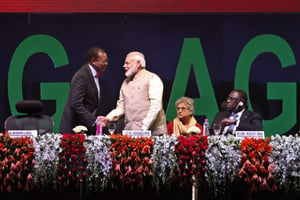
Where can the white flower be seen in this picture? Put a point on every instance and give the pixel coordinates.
(47, 148)
(286, 158)
(79, 129)
(99, 162)
(223, 162)
(193, 130)
(164, 160)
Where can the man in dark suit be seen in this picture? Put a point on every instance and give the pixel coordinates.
(82, 106)
(236, 116)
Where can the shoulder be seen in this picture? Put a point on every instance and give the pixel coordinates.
(82, 73)
(171, 123)
(83, 70)
(252, 114)
(198, 125)
(170, 127)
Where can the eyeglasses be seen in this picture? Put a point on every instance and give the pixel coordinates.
(182, 108)
(232, 99)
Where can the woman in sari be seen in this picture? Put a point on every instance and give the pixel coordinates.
(185, 122)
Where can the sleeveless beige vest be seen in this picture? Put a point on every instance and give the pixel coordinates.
(136, 104)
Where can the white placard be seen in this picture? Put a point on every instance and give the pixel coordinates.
(137, 133)
(250, 134)
(22, 133)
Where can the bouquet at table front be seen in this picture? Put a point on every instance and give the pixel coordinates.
(72, 161)
(46, 147)
(256, 169)
(223, 163)
(16, 163)
(286, 158)
(132, 166)
(190, 152)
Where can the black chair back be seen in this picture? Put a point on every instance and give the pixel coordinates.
(32, 118)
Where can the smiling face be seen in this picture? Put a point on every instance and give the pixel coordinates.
(131, 66)
(100, 63)
(134, 62)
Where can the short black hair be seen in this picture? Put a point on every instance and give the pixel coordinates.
(93, 53)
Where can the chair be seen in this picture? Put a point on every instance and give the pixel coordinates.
(32, 119)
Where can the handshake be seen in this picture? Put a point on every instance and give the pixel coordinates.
(103, 121)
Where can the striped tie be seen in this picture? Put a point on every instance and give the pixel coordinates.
(231, 127)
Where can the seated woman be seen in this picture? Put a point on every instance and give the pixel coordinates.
(185, 118)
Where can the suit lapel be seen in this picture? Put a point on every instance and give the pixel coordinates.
(92, 83)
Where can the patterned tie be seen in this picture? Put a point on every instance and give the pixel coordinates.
(231, 127)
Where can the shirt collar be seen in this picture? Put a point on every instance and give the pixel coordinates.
(94, 72)
(239, 114)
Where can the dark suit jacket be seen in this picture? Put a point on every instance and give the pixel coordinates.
(249, 121)
(82, 105)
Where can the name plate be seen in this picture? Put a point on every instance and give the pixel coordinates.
(137, 133)
(250, 134)
(22, 133)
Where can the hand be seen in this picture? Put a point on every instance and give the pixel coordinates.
(227, 122)
(102, 120)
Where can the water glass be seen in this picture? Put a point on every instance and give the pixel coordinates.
(111, 127)
(217, 128)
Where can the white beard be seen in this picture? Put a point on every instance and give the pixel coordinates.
(130, 72)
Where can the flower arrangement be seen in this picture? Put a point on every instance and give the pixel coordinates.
(286, 158)
(131, 161)
(47, 147)
(72, 161)
(58, 161)
(190, 152)
(256, 169)
(222, 162)
(164, 160)
(16, 163)
(80, 129)
(99, 162)
(193, 130)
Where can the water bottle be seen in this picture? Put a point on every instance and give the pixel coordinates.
(99, 127)
(205, 127)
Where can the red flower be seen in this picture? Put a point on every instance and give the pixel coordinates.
(16, 163)
(131, 161)
(72, 161)
(191, 153)
(256, 169)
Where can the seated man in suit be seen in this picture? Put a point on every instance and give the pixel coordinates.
(237, 117)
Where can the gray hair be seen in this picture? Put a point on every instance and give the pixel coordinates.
(138, 56)
(186, 100)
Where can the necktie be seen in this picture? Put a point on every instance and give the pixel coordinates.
(99, 74)
(231, 127)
